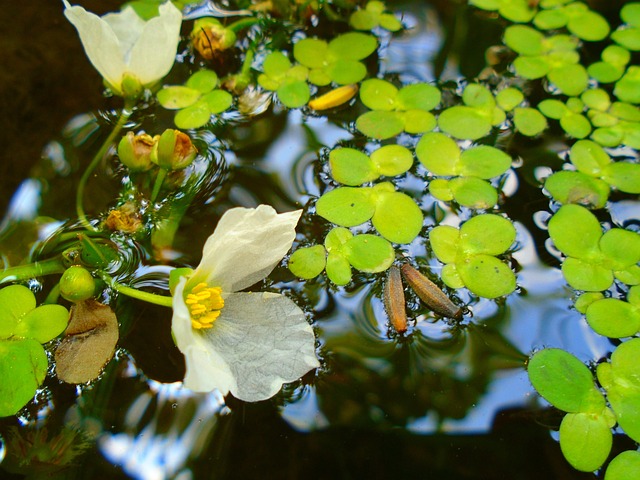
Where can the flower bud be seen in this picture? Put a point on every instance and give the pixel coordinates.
(77, 284)
(173, 150)
(135, 151)
(210, 37)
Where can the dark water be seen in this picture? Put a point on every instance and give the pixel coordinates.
(446, 401)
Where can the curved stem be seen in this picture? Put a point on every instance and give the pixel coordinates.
(36, 269)
(127, 110)
(162, 173)
(162, 300)
(238, 25)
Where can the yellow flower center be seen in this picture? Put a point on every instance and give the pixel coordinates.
(204, 303)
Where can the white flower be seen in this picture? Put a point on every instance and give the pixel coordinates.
(120, 44)
(248, 344)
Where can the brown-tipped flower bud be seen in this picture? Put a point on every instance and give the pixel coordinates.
(135, 151)
(173, 150)
(210, 37)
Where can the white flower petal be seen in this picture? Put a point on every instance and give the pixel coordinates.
(99, 41)
(154, 53)
(127, 26)
(206, 369)
(246, 246)
(265, 340)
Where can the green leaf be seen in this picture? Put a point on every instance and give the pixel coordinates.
(576, 125)
(336, 239)
(451, 277)
(311, 52)
(517, 11)
(625, 176)
(613, 318)
(587, 276)
(630, 14)
(392, 160)
(276, 65)
(445, 241)
(476, 95)
(439, 153)
(421, 96)
(583, 302)
(564, 381)
(378, 94)
(351, 166)
(338, 269)
(380, 124)
(195, 116)
(439, 189)
(346, 206)
(575, 187)
(218, 101)
(308, 262)
(532, 67)
(628, 38)
(585, 440)
(596, 98)
(589, 26)
(575, 231)
(464, 122)
(203, 81)
(509, 98)
(484, 162)
(627, 88)
(529, 121)
(622, 247)
(524, 40)
(589, 157)
(552, 108)
(486, 276)
(550, 19)
(397, 217)
(43, 323)
(625, 466)
(363, 20)
(369, 253)
(388, 21)
(345, 72)
(418, 121)
(353, 46)
(487, 234)
(616, 55)
(473, 192)
(177, 97)
(605, 72)
(23, 367)
(15, 302)
(571, 80)
(294, 94)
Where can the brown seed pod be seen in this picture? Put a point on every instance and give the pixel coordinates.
(430, 294)
(394, 300)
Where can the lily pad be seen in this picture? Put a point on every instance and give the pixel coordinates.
(346, 206)
(380, 124)
(392, 160)
(625, 466)
(308, 262)
(486, 276)
(576, 187)
(575, 231)
(487, 234)
(439, 153)
(369, 253)
(397, 217)
(351, 167)
(464, 122)
(613, 318)
(529, 121)
(585, 440)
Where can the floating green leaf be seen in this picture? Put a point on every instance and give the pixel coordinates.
(585, 440)
(380, 124)
(576, 187)
(346, 206)
(23, 367)
(397, 217)
(369, 253)
(529, 121)
(487, 234)
(486, 276)
(465, 122)
(575, 231)
(627, 88)
(614, 318)
(308, 262)
(392, 160)
(625, 466)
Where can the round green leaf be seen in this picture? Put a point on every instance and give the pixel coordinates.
(464, 122)
(484, 162)
(628, 38)
(418, 121)
(608, 137)
(509, 98)
(177, 97)
(369, 253)
(380, 124)
(218, 101)
(532, 67)
(476, 95)
(392, 160)
(585, 440)
(363, 20)
(575, 231)
(388, 21)
(486, 276)
(346, 72)
(596, 98)
(203, 81)
(488, 234)
(351, 166)
(550, 19)
(630, 275)
(613, 318)
(308, 262)
(524, 40)
(378, 94)
(276, 65)
(353, 46)
(529, 121)
(625, 176)
(397, 217)
(194, 116)
(575, 187)
(421, 96)
(15, 302)
(445, 240)
(336, 239)
(43, 323)
(451, 277)
(552, 108)
(319, 77)
(616, 55)
(589, 26)
(311, 52)
(439, 189)
(622, 247)
(518, 11)
(576, 125)
(564, 381)
(625, 111)
(439, 154)
(625, 466)
(589, 157)
(583, 275)
(473, 192)
(346, 206)
(630, 14)
(571, 80)
(23, 367)
(627, 88)
(605, 72)
(294, 94)
(338, 269)
(583, 301)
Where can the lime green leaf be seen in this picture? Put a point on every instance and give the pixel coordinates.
(576, 187)
(418, 121)
(369, 253)
(15, 302)
(353, 46)
(576, 125)
(625, 176)
(628, 38)
(552, 108)
(587, 276)
(550, 19)
(218, 101)
(532, 67)
(336, 239)
(203, 81)
(445, 241)
(596, 98)
(345, 72)
(487, 234)
(585, 440)
(311, 52)
(630, 14)
(276, 65)
(575, 231)
(43, 323)
(392, 160)
(622, 247)
(380, 124)
(605, 72)
(589, 157)
(613, 318)
(177, 97)
(484, 162)
(529, 121)
(439, 189)
(338, 269)
(346, 206)
(195, 116)
(294, 94)
(486, 276)
(586, 299)
(572, 80)
(388, 21)
(439, 153)
(473, 192)
(363, 20)
(589, 26)
(476, 95)
(524, 40)
(397, 217)
(308, 262)
(627, 88)
(23, 367)
(509, 98)
(464, 122)
(421, 96)
(625, 466)
(378, 94)
(351, 166)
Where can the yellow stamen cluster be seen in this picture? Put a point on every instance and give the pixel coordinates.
(204, 303)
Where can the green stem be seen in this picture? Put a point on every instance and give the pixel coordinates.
(162, 300)
(162, 173)
(127, 110)
(36, 269)
(248, 60)
(238, 25)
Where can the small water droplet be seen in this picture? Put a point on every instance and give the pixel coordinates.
(174, 405)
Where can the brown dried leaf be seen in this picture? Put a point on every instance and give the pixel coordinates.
(89, 342)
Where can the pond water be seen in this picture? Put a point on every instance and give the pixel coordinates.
(447, 399)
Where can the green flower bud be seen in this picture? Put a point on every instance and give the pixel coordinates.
(173, 150)
(77, 284)
(134, 151)
(210, 37)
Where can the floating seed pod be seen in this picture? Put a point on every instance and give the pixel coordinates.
(394, 300)
(430, 293)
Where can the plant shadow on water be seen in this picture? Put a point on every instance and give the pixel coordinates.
(447, 399)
